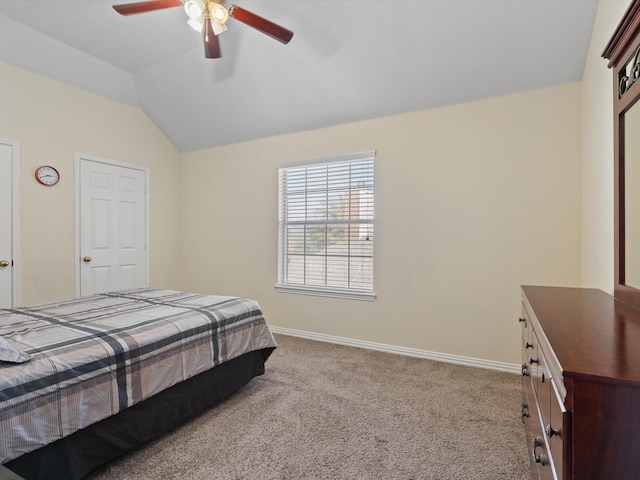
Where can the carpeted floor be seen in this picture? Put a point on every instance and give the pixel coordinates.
(326, 411)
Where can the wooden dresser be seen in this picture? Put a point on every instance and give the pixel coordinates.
(581, 384)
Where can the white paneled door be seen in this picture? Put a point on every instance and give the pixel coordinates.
(113, 227)
(6, 224)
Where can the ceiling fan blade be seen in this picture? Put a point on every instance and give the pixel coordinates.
(142, 7)
(211, 42)
(262, 24)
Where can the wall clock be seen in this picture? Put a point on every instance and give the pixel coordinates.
(47, 175)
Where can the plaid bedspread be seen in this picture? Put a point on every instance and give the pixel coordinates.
(95, 356)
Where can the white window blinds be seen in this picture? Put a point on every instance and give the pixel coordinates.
(326, 220)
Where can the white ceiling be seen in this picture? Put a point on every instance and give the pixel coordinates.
(349, 60)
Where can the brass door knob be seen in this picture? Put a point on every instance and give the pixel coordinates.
(4, 263)
(86, 259)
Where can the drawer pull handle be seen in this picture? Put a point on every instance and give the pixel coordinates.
(528, 345)
(525, 411)
(550, 431)
(532, 360)
(525, 371)
(542, 458)
(522, 319)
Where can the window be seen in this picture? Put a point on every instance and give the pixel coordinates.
(326, 227)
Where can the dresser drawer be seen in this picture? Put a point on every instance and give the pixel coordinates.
(525, 329)
(542, 382)
(557, 430)
(530, 418)
(551, 416)
(541, 464)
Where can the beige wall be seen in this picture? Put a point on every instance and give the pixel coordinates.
(52, 121)
(471, 201)
(597, 153)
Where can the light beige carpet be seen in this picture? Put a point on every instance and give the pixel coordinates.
(326, 411)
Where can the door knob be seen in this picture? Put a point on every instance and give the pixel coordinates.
(4, 263)
(86, 259)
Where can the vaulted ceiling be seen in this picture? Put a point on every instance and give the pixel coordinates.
(349, 60)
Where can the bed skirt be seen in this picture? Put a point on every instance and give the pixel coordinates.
(75, 456)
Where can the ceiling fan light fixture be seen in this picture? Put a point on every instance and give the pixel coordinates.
(218, 13)
(217, 28)
(196, 23)
(194, 8)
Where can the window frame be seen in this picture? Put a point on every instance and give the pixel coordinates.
(323, 290)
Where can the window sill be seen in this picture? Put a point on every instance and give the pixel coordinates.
(365, 295)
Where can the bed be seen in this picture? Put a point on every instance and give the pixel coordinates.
(86, 380)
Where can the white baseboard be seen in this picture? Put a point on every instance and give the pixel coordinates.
(411, 352)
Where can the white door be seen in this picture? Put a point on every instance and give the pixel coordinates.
(112, 211)
(6, 229)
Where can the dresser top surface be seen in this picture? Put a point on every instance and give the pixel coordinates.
(592, 334)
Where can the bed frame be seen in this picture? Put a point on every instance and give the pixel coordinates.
(75, 456)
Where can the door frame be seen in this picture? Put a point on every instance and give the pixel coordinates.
(15, 215)
(79, 157)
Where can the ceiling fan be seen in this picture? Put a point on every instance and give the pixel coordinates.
(210, 17)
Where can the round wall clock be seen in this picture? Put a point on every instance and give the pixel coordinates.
(47, 175)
